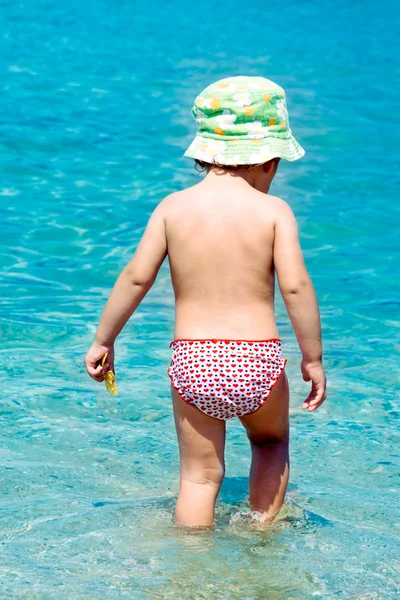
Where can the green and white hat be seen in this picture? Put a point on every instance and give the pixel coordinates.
(242, 121)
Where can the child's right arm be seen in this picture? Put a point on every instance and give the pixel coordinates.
(129, 290)
(301, 302)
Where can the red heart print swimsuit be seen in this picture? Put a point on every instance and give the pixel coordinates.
(226, 378)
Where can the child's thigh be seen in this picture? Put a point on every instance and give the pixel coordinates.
(271, 421)
(201, 438)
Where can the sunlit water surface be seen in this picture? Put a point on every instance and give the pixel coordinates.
(95, 117)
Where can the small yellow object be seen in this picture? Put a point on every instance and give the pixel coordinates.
(109, 378)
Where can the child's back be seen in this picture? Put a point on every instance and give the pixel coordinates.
(220, 236)
(225, 239)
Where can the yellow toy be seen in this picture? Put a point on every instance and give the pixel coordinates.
(109, 378)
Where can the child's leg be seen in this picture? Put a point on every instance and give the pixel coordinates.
(268, 432)
(201, 446)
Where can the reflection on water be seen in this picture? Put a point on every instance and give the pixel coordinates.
(96, 114)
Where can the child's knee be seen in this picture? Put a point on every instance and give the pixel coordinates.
(207, 476)
(270, 440)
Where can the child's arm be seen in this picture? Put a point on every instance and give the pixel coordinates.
(129, 290)
(301, 303)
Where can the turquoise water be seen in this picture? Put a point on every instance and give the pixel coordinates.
(95, 116)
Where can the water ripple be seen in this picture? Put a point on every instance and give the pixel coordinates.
(96, 115)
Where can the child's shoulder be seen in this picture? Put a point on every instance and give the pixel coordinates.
(274, 205)
(169, 202)
(175, 199)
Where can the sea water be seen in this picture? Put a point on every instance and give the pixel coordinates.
(95, 114)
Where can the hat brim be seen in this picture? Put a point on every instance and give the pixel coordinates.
(240, 151)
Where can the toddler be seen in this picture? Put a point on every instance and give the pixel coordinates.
(225, 239)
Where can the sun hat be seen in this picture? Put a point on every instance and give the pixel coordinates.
(242, 121)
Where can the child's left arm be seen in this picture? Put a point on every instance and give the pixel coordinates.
(129, 290)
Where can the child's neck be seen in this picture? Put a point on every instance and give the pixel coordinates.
(255, 178)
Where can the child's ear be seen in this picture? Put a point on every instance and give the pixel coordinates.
(271, 165)
(276, 163)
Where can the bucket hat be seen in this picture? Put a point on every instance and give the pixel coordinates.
(242, 121)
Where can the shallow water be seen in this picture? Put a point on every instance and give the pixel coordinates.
(95, 117)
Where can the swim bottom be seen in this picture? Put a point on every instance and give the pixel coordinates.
(226, 378)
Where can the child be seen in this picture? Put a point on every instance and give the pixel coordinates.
(225, 238)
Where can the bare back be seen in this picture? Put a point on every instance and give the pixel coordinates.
(220, 247)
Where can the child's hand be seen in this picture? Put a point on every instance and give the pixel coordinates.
(314, 372)
(93, 360)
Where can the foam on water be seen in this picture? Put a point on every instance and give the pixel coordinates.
(96, 115)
